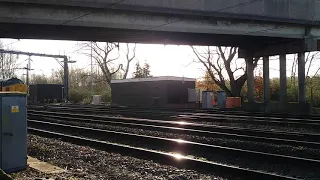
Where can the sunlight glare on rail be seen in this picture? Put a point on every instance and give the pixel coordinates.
(180, 140)
(182, 122)
(178, 156)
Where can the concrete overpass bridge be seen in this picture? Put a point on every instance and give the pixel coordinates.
(257, 27)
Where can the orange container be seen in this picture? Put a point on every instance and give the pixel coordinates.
(233, 102)
(237, 102)
(229, 102)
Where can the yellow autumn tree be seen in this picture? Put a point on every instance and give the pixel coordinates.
(206, 83)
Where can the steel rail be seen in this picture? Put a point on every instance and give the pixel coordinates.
(179, 130)
(196, 116)
(163, 158)
(174, 145)
(181, 124)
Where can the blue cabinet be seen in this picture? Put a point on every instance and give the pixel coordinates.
(207, 97)
(221, 97)
(13, 145)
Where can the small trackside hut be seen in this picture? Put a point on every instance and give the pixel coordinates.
(164, 91)
(46, 93)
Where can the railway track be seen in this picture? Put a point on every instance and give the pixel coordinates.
(277, 137)
(50, 122)
(210, 116)
(249, 119)
(184, 110)
(165, 158)
(176, 145)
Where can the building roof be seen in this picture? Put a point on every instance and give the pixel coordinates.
(11, 81)
(160, 78)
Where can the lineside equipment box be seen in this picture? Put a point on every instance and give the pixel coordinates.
(13, 132)
(207, 97)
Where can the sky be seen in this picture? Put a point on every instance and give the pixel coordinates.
(165, 60)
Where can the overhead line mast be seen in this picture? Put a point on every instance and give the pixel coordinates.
(65, 66)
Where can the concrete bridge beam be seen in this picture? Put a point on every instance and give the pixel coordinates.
(263, 37)
(66, 16)
(291, 46)
(283, 11)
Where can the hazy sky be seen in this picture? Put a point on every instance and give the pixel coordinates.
(165, 60)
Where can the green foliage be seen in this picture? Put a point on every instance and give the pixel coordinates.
(275, 89)
(142, 72)
(78, 95)
(138, 72)
(79, 84)
(292, 89)
(86, 101)
(312, 90)
(106, 95)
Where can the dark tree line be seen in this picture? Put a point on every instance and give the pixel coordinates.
(142, 72)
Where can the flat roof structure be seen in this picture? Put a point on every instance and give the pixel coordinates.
(159, 78)
(163, 91)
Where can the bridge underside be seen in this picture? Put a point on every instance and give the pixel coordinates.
(78, 33)
(259, 45)
(256, 37)
(36, 21)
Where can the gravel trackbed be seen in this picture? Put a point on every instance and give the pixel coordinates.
(87, 163)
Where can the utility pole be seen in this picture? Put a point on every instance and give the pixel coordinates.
(91, 75)
(65, 66)
(28, 69)
(27, 74)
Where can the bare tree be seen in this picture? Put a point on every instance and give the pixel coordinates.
(309, 60)
(8, 64)
(38, 79)
(222, 65)
(129, 58)
(311, 56)
(102, 54)
(294, 69)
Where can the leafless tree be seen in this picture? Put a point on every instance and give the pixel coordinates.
(38, 79)
(222, 64)
(310, 58)
(8, 64)
(294, 69)
(130, 55)
(57, 76)
(102, 54)
(309, 62)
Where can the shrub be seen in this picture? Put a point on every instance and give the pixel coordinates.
(86, 101)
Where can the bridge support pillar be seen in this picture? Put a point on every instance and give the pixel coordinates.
(301, 77)
(250, 79)
(283, 80)
(266, 83)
